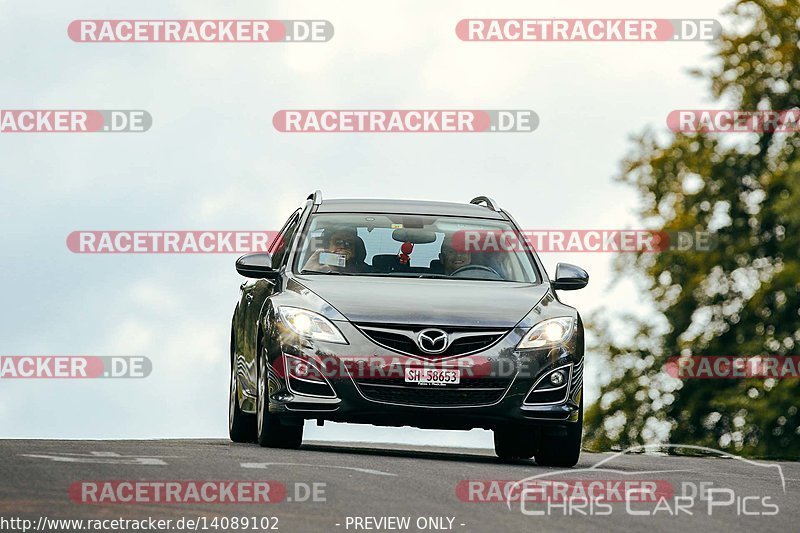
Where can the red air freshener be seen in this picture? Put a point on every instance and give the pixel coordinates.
(405, 251)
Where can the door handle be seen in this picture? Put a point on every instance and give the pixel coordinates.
(248, 296)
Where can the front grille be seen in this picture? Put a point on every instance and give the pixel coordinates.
(470, 392)
(394, 341)
(481, 383)
(432, 396)
(402, 339)
(471, 344)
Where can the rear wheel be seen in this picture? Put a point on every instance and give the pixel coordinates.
(241, 425)
(514, 442)
(270, 432)
(562, 450)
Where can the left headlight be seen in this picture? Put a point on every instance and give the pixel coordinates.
(310, 325)
(547, 333)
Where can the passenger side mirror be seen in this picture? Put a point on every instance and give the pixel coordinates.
(570, 277)
(256, 266)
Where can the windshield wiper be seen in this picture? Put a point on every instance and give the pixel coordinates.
(410, 275)
(334, 272)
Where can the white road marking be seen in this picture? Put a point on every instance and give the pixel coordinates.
(111, 458)
(364, 470)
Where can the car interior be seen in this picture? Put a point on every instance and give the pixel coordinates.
(403, 251)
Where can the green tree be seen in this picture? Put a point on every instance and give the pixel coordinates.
(742, 298)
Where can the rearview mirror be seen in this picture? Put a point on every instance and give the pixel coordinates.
(256, 266)
(414, 235)
(570, 277)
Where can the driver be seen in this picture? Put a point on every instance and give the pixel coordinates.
(339, 242)
(451, 258)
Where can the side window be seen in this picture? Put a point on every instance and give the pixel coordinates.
(280, 246)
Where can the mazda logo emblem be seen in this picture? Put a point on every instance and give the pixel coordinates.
(432, 340)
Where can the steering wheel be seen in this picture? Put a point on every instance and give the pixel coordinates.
(478, 268)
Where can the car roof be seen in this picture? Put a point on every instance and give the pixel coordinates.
(410, 207)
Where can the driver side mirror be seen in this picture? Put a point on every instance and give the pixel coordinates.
(570, 277)
(256, 266)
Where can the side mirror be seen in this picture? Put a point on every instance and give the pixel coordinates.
(570, 277)
(256, 266)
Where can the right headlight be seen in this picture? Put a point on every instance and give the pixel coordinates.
(547, 333)
(310, 325)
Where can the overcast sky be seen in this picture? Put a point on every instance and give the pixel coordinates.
(212, 160)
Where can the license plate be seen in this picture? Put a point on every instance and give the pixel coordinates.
(432, 376)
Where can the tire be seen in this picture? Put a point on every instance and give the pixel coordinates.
(512, 443)
(562, 450)
(241, 425)
(270, 433)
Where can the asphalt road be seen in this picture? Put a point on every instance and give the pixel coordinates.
(362, 487)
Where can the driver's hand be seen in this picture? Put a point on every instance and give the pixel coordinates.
(313, 260)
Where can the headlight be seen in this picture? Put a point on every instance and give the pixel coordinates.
(311, 325)
(547, 333)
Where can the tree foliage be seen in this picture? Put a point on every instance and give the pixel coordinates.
(742, 298)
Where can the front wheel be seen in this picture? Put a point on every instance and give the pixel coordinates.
(562, 450)
(270, 432)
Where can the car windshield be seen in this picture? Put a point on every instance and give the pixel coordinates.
(412, 246)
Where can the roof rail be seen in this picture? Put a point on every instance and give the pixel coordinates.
(316, 196)
(491, 204)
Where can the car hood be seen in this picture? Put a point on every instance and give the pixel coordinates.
(427, 301)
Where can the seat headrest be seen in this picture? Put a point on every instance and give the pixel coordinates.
(384, 262)
(361, 250)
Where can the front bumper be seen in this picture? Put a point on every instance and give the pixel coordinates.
(496, 383)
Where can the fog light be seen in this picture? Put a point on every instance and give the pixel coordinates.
(557, 378)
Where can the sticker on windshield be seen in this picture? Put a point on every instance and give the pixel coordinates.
(337, 260)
